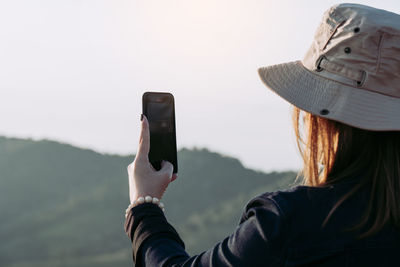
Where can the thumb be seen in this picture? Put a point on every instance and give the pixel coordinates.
(167, 168)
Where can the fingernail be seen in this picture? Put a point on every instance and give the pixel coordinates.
(141, 117)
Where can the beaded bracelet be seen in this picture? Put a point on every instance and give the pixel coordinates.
(141, 200)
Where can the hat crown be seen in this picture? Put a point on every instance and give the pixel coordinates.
(359, 46)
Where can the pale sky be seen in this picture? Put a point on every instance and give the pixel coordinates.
(74, 71)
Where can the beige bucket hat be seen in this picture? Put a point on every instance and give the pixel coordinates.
(351, 73)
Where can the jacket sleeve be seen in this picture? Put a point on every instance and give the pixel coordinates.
(259, 239)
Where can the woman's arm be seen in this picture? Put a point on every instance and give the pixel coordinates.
(259, 239)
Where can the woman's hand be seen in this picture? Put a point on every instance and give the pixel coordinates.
(144, 180)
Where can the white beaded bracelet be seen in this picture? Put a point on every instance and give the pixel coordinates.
(146, 199)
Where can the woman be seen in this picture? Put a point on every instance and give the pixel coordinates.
(346, 97)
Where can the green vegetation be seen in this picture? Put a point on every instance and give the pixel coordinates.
(64, 206)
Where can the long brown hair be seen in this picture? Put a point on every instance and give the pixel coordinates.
(333, 151)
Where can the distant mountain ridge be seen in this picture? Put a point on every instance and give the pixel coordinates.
(64, 206)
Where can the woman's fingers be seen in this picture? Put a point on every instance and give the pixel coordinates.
(174, 177)
(129, 168)
(167, 168)
(144, 142)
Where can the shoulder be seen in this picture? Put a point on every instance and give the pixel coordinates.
(300, 202)
(284, 199)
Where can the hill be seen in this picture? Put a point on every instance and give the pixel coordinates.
(64, 206)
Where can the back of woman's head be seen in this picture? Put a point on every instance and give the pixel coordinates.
(333, 152)
(348, 82)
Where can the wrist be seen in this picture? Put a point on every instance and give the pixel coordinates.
(143, 193)
(141, 200)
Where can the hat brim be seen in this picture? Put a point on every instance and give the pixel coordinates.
(330, 99)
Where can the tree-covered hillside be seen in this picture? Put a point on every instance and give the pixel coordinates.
(64, 206)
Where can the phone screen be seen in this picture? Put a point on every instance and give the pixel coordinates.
(160, 112)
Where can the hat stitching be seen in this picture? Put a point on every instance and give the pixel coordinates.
(333, 33)
(378, 60)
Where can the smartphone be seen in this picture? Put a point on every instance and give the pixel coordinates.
(159, 109)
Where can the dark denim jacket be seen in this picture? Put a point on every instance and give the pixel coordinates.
(277, 229)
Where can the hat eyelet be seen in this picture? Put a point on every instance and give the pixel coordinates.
(347, 50)
(362, 81)
(324, 112)
(318, 68)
